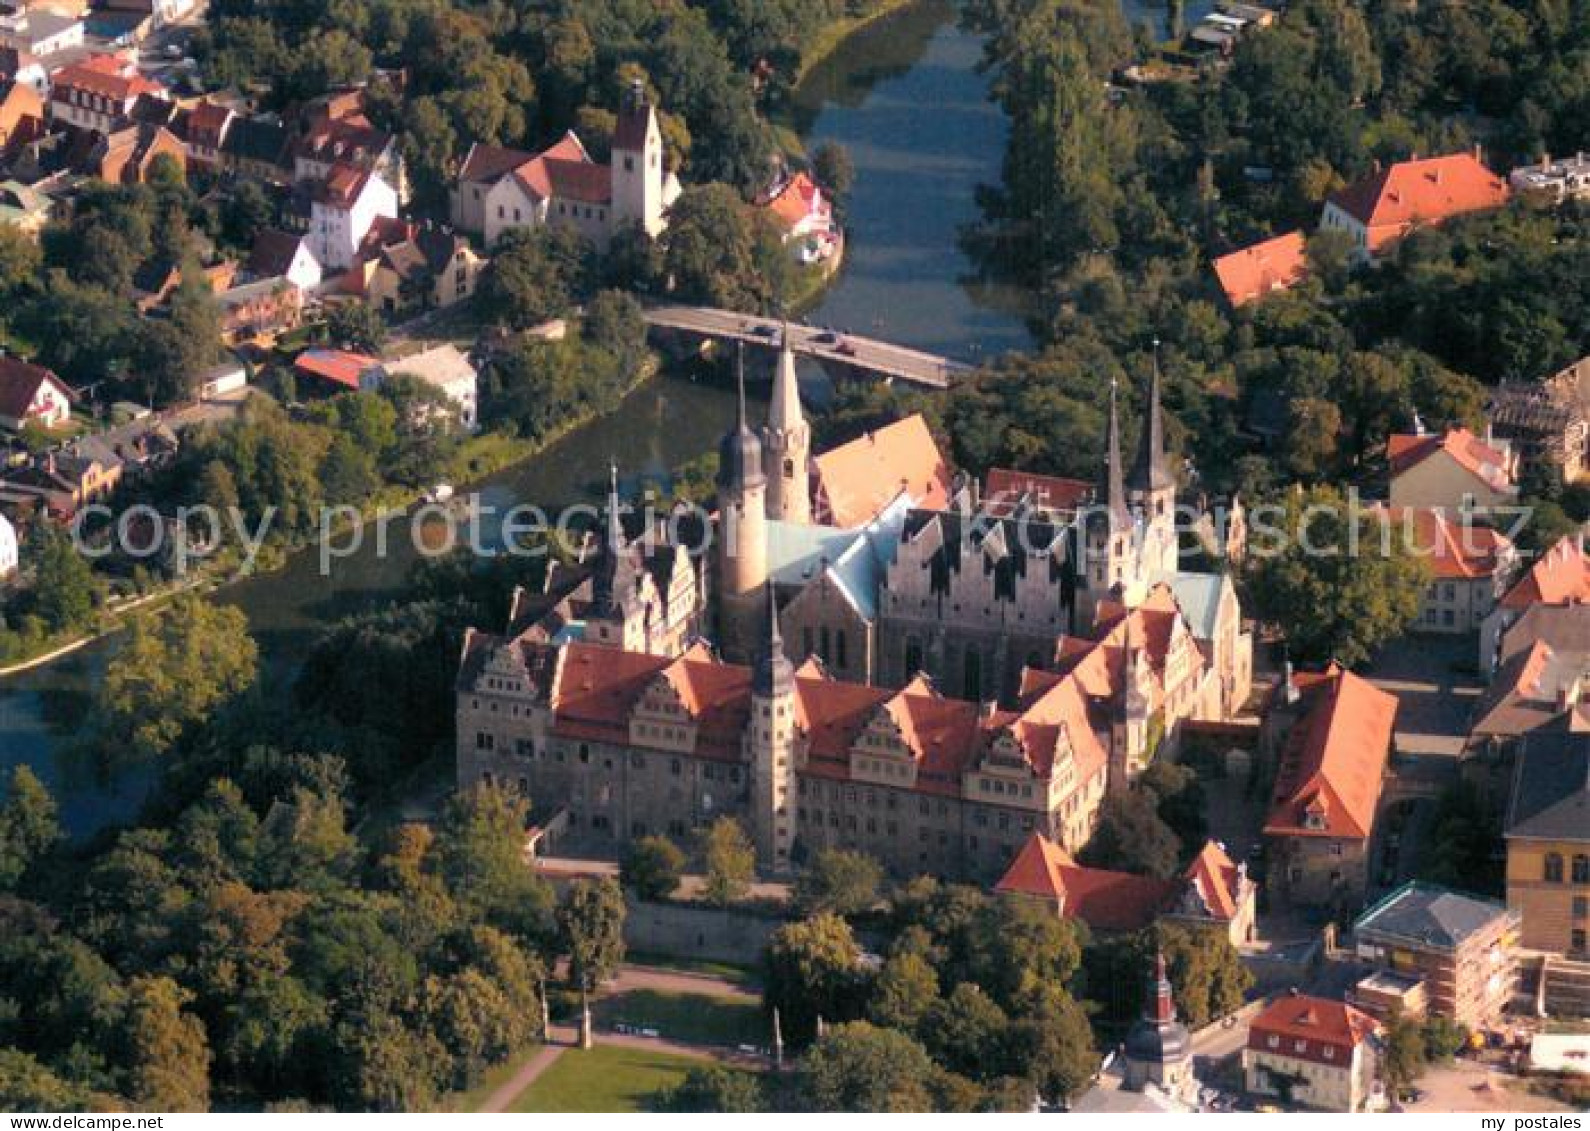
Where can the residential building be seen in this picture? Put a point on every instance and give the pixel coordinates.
(1213, 892)
(224, 380)
(20, 67)
(1559, 576)
(502, 189)
(1547, 422)
(1271, 265)
(31, 394)
(403, 268)
(62, 482)
(39, 32)
(445, 368)
(284, 255)
(1328, 740)
(337, 134)
(259, 148)
(125, 156)
(1459, 946)
(1456, 471)
(1380, 209)
(343, 207)
(259, 312)
(9, 556)
(1547, 830)
(21, 114)
(1470, 565)
(854, 482)
(805, 215)
(205, 131)
(98, 94)
(1312, 1052)
(1567, 178)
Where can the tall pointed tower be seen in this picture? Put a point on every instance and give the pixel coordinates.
(742, 534)
(637, 175)
(613, 580)
(1151, 489)
(1158, 1047)
(1108, 537)
(787, 444)
(772, 740)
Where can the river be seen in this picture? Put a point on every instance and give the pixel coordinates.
(903, 96)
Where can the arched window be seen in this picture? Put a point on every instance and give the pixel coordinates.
(841, 652)
(973, 675)
(1581, 869)
(913, 658)
(1553, 868)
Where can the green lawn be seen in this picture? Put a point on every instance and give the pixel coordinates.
(495, 1077)
(743, 976)
(693, 1019)
(606, 1078)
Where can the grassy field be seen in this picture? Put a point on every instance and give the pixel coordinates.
(606, 1078)
(743, 976)
(691, 1018)
(494, 1078)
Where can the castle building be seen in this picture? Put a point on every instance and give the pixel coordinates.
(500, 189)
(741, 541)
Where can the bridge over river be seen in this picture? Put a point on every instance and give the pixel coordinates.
(841, 354)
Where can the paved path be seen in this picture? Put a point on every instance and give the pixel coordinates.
(529, 1072)
(882, 358)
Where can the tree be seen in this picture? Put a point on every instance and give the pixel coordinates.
(1340, 579)
(245, 213)
(905, 991)
(1057, 1048)
(27, 1085)
(348, 474)
(479, 855)
(730, 861)
(167, 1055)
(64, 588)
(355, 326)
(812, 971)
(1406, 1055)
(175, 668)
(536, 274)
(839, 882)
(651, 867)
(835, 172)
(591, 922)
(1206, 973)
(714, 1088)
(29, 826)
(1179, 802)
(1131, 837)
(861, 1068)
(965, 1032)
(709, 253)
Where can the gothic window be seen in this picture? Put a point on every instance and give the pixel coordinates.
(973, 675)
(840, 650)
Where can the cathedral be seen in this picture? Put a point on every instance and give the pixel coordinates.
(930, 685)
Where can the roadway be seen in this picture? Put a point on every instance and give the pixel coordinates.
(885, 359)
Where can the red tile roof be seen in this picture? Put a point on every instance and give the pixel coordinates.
(1455, 551)
(1305, 1027)
(1474, 455)
(1104, 900)
(1559, 575)
(1427, 191)
(342, 186)
(490, 163)
(1003, 488)
(799, 198)
(1217, 880)
(856, 481)
(337, 366)
(1255, 271)
(564, 171)
(107, 76)
(1334, 760)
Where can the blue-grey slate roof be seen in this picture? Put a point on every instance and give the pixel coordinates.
(1425, 915)
(1551, 786)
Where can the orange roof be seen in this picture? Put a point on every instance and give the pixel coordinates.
(1559, 575)
(1305, 1027)
(798, 199)
(1003, 488)
(1217, 880)
(1467, 450)
(1255, 271)
(109, 76)
(1455, 551)
(1104, 900)
(1393, 200)
(337, 366)
(1333, 761)
(856, 481)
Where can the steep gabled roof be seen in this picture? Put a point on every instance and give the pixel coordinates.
(1255, 271)
(1307, 1025)
(1455, 551)
(1551, 787)
(859, 479)
(1405, 452)
(1426, 191)
(1332, 763)
(1105, 900)
(19, 384)
(1560, 575)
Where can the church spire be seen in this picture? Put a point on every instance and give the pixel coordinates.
(740, 452)
(1114, 483)
(787, 443)
(774, 674)
(784, 411)
(605, 583)
(1150, 470)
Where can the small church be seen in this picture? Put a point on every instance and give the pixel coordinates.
(499, 189)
